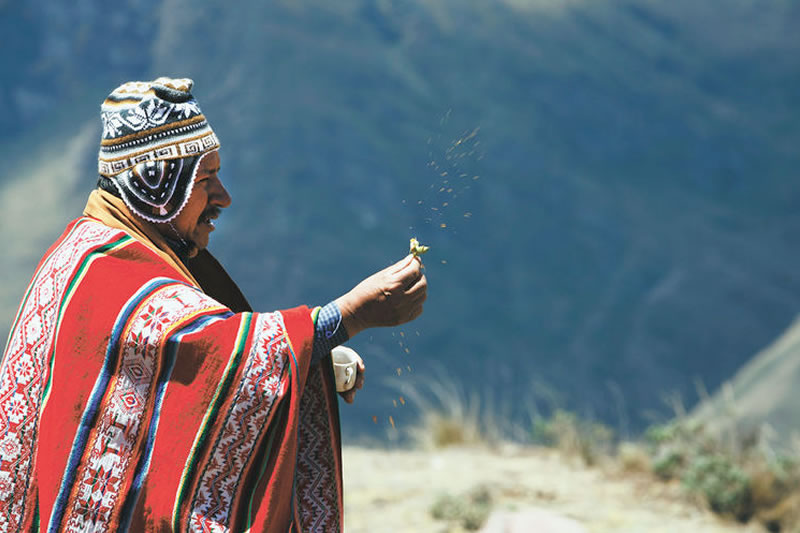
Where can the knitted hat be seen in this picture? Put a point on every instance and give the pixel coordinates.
(154, 136)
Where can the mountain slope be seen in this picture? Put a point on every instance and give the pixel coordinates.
(763, 392)
(632, 222)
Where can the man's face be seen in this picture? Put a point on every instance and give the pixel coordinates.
(195, 221)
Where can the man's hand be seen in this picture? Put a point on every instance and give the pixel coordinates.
(350, 395)
(390, 297)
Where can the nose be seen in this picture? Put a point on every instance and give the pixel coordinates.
(218, 195)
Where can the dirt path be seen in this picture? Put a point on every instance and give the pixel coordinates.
(393, 491)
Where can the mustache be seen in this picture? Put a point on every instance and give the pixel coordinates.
(211, 212)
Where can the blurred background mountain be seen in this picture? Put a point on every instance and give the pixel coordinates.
(609, 189)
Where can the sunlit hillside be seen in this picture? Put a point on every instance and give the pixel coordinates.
(762, 395)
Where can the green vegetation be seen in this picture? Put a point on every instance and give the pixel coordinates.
(575, 437)
(469, 510)
(734, 472)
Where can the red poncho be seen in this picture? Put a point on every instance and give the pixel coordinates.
(133, 399)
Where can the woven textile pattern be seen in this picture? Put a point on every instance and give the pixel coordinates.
(264, 382)
(127, 404)
(152, 121)
(316, 464)
(26, 364)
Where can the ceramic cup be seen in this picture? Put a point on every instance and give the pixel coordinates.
(345, 367)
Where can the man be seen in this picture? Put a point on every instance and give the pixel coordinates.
(138, 390)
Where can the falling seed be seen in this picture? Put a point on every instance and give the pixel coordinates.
(419, 202)
(402, 334)
(449, 190)
(442, 225)
(399, 371)
(443, 205)
(417, 332)
(467, 214)
(409, 368)
(402, 400)
(393, 334)
(463, 175)
(394, 402)
(444, 262)
(407, 350)
(441, 190)
(374, 419)
(475, 177)
(391, 421)
(434, 208)
(443, 173)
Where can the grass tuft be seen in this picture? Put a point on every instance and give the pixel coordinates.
(448, 415)
(573, 436)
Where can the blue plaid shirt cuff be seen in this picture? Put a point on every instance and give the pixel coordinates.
(329, 331)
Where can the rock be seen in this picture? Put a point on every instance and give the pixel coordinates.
(530, 520)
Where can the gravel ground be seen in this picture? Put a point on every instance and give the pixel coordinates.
(394, 491)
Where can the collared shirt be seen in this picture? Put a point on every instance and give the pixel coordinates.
(329, 331)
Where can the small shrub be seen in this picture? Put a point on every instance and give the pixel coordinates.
(669, 463)
(470, 510)
(447, 507)
(660, 434)
(734, 472)
(723, 484)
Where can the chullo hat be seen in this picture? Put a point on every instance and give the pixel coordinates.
(154, 136)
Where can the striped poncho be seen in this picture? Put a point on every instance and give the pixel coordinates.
(133, 399)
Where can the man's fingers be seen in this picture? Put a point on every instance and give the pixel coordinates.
(409, 274)
(418, 286)
(403, 263)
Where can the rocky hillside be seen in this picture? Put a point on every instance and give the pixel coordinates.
(762, 395)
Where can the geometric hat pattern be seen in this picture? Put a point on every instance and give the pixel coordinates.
(154, 135)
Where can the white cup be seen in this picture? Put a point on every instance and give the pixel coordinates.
(345, 367)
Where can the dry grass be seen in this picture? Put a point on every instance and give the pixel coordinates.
(449, 416)
(734, 471)
(633, 458)
(574, 437)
